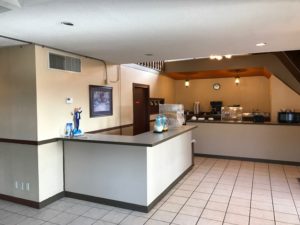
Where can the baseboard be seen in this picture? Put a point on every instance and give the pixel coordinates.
(33, 204)
(52, 199)
(126, 205)
(248, 159)
(160, 197)
(105, 201)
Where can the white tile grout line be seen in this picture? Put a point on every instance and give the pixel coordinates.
(227, 162)
(232, 190)
(253, 173)
(212, 166)
(241, 162)
(288, 182)
(207, 172)
(202, 162)
(271, 191)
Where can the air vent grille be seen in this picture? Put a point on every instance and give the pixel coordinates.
(62, 62)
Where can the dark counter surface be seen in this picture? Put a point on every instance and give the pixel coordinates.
(148, 139)
(242, 122)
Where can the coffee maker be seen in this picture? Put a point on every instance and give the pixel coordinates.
(216, 107)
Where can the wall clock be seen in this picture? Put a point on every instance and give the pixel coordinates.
(216, 86)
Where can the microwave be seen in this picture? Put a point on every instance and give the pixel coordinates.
(289, 117)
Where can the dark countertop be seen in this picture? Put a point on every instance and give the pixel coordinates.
(148, 139)
(242, 122)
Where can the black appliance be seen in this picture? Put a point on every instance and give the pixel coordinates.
(297, 119)
(216, 107)
(257, 118)
(288, 117)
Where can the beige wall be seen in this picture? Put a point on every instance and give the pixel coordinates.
(54, 86)
(282, 97)
(252, 93)
(19, 163)
(18, 93)
(160, 87)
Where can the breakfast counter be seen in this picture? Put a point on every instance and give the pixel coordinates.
(147, 139)
(259, 141)
(133, 172)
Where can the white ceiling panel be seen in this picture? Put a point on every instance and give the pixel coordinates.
(122, 31)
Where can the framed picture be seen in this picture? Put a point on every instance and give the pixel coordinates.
(101, 101)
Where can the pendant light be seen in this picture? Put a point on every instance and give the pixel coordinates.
(237, 80)
(187, 83)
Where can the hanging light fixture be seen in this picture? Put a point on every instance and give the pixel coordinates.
(187, 83)
(237, 80)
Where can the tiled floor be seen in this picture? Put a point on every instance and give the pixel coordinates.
(215, 192)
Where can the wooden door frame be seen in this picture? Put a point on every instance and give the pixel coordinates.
(147, 87)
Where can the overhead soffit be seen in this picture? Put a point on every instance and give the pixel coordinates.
(241, 72)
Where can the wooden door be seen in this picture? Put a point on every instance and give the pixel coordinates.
(140, 108)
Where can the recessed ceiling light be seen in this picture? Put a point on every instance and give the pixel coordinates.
(228, 56)
(261, 44)
(67, 23)
(148, 54)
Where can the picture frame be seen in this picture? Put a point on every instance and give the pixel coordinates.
(101, 100)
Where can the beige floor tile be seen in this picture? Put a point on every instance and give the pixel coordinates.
(196, 202)
(236, 219)
(262, 214)
(257, 221)
(192, 211)
(134, 220)
(156, 222)
(213, 215)
(182, 219)
(164, 216)
(262, 205)
(200, 195)
(177, 199)
(182, 193)
(171, 207)
(286, 218)
(240, 210)
(285, 209)
(216, 206)
(239, 202)
(219, 198)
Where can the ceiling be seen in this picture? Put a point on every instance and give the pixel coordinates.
(124, 31)
(245, 72)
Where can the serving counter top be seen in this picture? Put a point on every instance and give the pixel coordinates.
(242, 122)
(148, 139)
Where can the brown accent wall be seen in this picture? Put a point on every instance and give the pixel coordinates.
(253, 93)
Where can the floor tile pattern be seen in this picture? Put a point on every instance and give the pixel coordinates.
(214, 192)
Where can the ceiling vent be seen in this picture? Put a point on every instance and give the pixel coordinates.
(62, 62)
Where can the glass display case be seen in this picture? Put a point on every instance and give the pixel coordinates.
(174, 114)
(232, 114)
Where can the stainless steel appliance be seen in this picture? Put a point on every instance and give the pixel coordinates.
(232, 114)
(196, 108)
